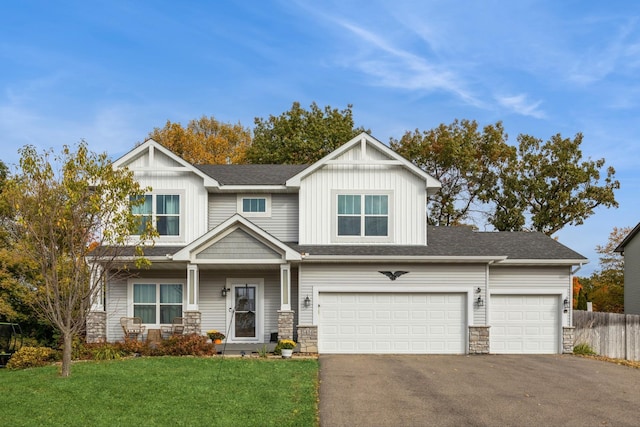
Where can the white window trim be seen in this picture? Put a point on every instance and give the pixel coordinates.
(361, 239)
(267, 205)
(156, 282)
(182, 222)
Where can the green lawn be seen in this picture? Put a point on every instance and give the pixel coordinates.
(166, 391)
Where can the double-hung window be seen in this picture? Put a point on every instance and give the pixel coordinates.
(363, 215)
(161, 210)
(157, 303)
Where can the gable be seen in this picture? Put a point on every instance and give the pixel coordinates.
(158, 161)
(238, 245)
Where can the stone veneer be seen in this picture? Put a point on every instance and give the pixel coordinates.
(568, 338)
(96, 326)
(308, 338)
(479, 339)
(192, 322)
(285, 324)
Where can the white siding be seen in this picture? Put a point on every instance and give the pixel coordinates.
(116, 295)
(407, 204)
(425, 278)
(282, 224)
(524, 280)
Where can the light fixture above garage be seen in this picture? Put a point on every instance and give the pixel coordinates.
(307, 302)
(566, 305)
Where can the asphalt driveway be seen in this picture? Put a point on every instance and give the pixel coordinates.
(492, 390)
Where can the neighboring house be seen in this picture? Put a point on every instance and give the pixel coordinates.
(630, 248)
(337, 255)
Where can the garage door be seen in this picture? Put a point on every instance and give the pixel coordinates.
(524, 324)
(395, 323)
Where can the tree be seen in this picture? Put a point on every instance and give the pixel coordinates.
(205, 141)
(551, 185)
(63, 218)
(605, 287)
(464, 159)
(300, 136)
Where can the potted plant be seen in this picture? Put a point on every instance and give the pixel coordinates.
(286, 348)
(215, 336)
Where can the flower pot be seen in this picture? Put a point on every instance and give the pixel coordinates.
(286, 353)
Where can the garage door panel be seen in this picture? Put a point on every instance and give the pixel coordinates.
(395, 323)
(524, 324)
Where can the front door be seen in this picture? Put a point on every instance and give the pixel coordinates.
(246, 312)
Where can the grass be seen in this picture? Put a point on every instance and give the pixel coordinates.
(167, 391)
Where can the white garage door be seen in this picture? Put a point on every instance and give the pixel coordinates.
(524, 324)
(395, 323)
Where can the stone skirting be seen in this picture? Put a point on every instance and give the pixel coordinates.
(308, 338)
(96, 326)
(479, 339)
(192, 322)
(568, 339)
(285, 324)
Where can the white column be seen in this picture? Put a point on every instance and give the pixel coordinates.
(193, 276)
(285, 287)
(97, 287)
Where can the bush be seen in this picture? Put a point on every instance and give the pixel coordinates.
(31, 357)
(107, 352)
(583, 349)
(187, 345)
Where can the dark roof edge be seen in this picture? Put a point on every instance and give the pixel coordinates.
(627, 239)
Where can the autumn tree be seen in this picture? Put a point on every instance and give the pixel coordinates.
(69, 208)
(550, 185)
(465, 159)
(605, 287)
(300, 136)
(205, 141)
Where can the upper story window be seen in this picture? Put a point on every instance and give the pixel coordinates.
(363, 215)
(254, 205)
(163, 211)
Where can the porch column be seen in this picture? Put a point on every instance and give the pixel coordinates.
(96, 322)
(97, 287)
(285, 287)
(193, 290)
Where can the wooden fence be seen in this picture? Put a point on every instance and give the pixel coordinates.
(609, 334)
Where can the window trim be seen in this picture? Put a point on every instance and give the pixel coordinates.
(361, 238)
(154, 216)
(156, 282)
(267, 205)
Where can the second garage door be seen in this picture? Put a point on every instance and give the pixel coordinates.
(524, 324)
(393, 323)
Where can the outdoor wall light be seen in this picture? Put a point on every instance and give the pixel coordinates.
(478, 290)
(307, 302)
(566, 305)
(224, 291)
(479, 302)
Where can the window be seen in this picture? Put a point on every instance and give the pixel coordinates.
(255, 205)
(363, 215)
(157, 303)
(163, 210)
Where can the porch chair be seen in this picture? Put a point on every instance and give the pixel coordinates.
(176, 328)
(132, 327)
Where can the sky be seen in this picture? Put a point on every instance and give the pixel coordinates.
(111, 71)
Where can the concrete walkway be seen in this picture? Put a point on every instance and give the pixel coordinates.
(546, 390)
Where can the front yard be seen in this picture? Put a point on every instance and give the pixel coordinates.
(165, 391)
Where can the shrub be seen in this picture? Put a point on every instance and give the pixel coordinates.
(583, 349)
(31, 357)
(140, 348)
(187, 345)
(106, 352)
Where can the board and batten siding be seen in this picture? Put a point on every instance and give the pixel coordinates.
(193, 212)
(407, 204)
(632, 276)
(523, 280)
(282, 224)
(421, 278)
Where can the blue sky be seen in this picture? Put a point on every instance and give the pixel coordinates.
(109, 72)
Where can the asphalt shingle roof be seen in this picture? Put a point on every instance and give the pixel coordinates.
(251, 174)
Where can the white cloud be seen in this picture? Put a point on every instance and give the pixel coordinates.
(520, 105)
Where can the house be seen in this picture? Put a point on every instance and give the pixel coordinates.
(630, 248)
(336, 255)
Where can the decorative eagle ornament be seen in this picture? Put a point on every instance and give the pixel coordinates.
(393, 275)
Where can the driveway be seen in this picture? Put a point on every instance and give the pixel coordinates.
(491, 390)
